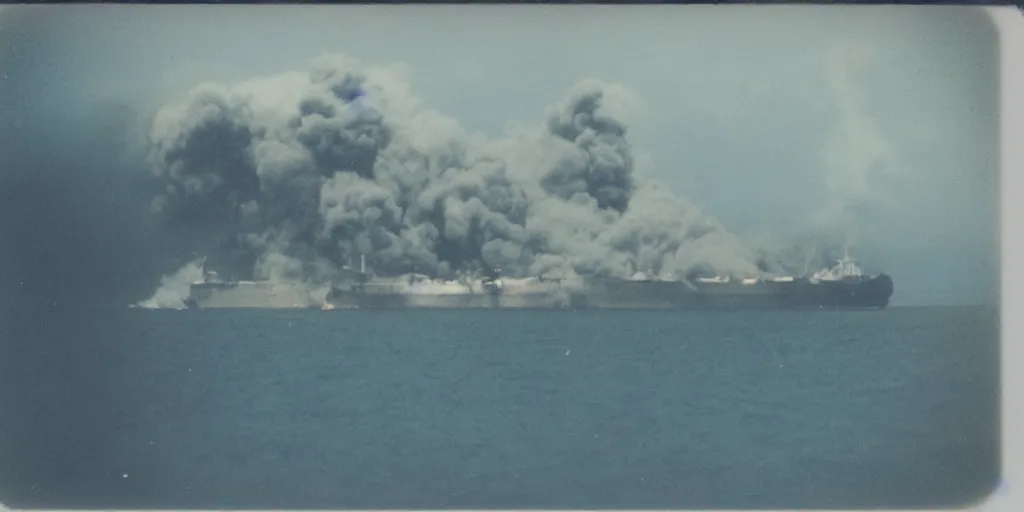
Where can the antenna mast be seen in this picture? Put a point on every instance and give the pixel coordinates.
(810, 254)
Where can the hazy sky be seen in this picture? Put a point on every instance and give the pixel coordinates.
(771, 118)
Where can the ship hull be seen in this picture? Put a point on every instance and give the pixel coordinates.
(841, 287)
(355, 300)
(250, 295)
(616, 294)
(797, 294)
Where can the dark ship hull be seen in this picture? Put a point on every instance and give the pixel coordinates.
(841, 287)
(798, 293)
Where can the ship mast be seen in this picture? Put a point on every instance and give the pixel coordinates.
(810, 255)
(202, 269)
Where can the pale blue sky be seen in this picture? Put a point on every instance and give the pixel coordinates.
(765, 117)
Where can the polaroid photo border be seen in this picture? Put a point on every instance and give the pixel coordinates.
(1007, 496)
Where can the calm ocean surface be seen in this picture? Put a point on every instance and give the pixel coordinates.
(507, 409)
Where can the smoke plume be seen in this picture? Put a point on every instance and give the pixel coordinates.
(174, 289)
(302, 173)
(859, 161)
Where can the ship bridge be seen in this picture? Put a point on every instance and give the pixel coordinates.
(846, 269)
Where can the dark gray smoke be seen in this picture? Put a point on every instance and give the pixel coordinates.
(302, 173)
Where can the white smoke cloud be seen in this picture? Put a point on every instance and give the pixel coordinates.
(859, 161)
(174, 288)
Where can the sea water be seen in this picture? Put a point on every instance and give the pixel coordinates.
(503, 409)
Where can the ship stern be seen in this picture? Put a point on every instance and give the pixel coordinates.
(884, 287)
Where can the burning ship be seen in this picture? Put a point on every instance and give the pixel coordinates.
(843, 286)
(362, 290)
(213, 292)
